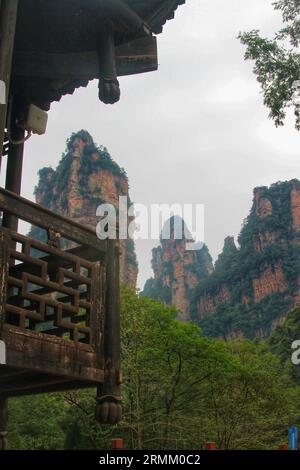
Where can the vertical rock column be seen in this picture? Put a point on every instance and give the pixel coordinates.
(75, 201)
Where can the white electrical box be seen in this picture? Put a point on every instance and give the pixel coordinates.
(36, 120)
(2, 92)
(2, 353)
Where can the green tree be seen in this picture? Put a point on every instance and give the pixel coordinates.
(180, 389)
(252, 407)
(35, 422)
(277, 62)
(165, 364)
(282, 338)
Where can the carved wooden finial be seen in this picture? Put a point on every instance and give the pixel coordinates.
(109, 88)
(109, 91)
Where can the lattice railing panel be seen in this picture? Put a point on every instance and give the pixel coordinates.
(50, 293)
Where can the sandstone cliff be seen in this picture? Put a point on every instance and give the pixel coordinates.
(255, 285)
(177, 272)
(86, 177)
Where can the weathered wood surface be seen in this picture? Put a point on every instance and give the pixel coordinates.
(53, 261)
(20, 382)
(8, 18)
(44, 218)
(109, 409)
(4, 267)
(50, 363)
(50, 355)
(109, 87)
(36, 387)
(14, 167)
(3, 422)
(54, 57)
(135, 57)
(121, 13)
(98, 312)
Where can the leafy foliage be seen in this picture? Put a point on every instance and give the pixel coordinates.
(35, 422)
(236, 268)
(180, 390)
(251, 320)
(277, 62)
(203, 258)
(282, 338)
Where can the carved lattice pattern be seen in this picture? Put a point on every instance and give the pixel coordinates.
(49, 290)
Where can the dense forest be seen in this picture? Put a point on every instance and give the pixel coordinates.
(252, 285)
(266, 242)
(180, 390)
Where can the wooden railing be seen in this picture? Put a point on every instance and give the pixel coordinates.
(58, 300)
(49, 289)
(59, 307)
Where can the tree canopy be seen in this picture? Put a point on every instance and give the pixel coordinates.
(277, 62)
(181, 389)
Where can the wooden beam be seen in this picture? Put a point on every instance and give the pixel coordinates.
(50, 355)
(44, 218)
(36, 389)
(135, 57)
(29, 381)
(119, 12)
(7, 373)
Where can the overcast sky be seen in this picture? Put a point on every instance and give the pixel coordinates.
(195, 131)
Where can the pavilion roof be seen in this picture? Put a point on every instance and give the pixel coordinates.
(156, 12)
(56, 44)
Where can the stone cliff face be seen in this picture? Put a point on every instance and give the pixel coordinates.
(177, 272)
(86, 177)
(269, 281)
(254, 286)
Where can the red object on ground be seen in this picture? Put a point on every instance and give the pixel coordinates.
(117, 444)
(283, 447)
(211, 446)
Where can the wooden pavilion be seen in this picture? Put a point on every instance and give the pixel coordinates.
(59, 308)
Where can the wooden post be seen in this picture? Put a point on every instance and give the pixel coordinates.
(3, 423)
(109, 88)
(13, 183)
(14, 165)
(108, 410)
(8, 19)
